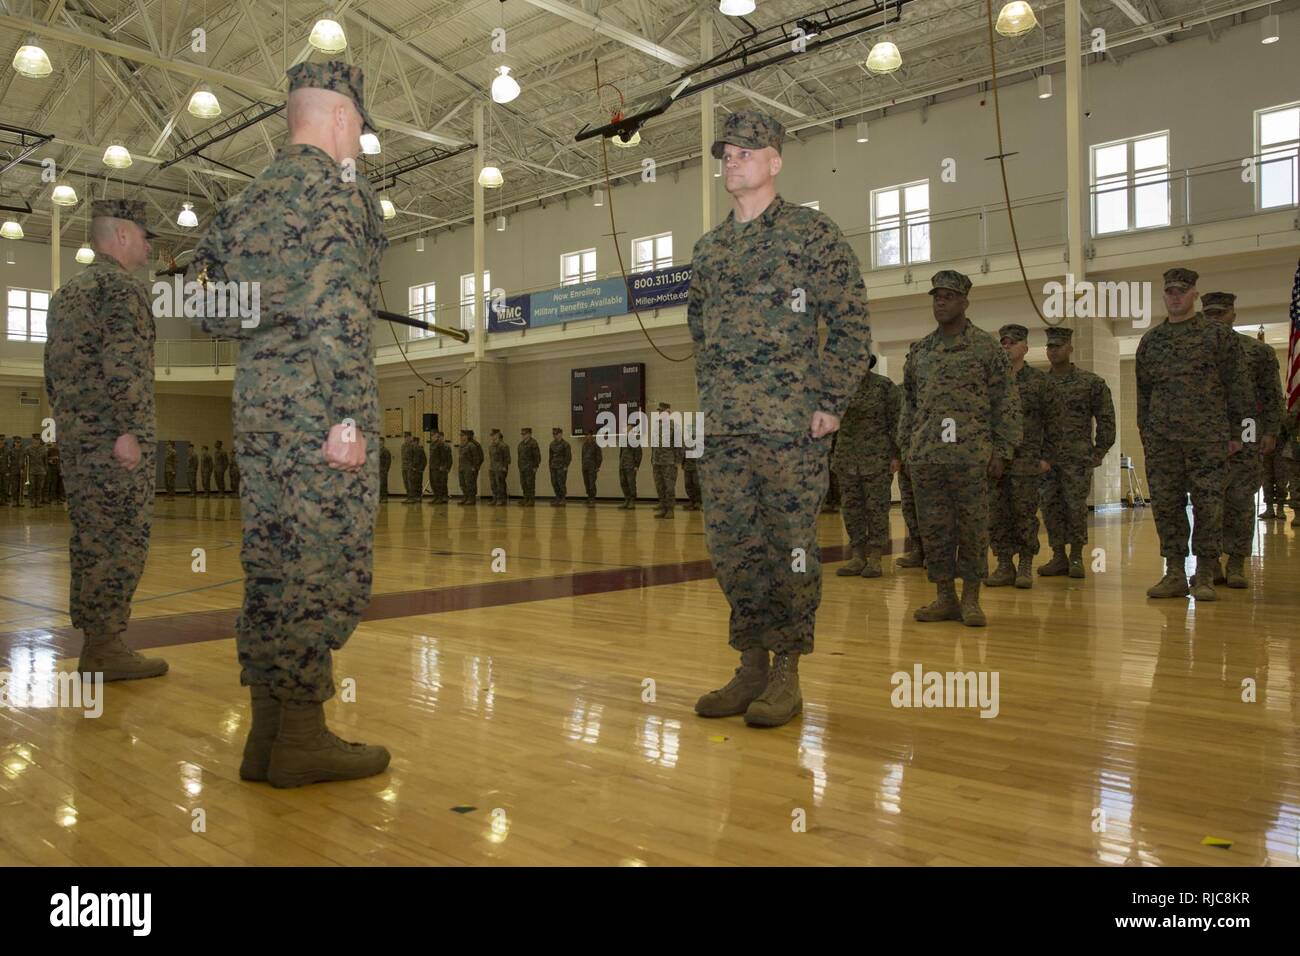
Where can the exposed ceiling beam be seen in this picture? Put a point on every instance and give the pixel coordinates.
(1137, 16)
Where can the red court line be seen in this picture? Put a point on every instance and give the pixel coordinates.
(194, 627)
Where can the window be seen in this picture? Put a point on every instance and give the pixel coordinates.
(893, 210)
(467, 298)
(576, 267)
(1277, 143)
(422, 302)
(1130, 180)
(27, 311)
(814, 204)
(652, 252)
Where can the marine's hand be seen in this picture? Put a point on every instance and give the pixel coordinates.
(823, 423)
(345, 448)
(1044, 466)
(1234, 447)
(894, 465)
(126, 451)
(997, 466)
(1268, 445)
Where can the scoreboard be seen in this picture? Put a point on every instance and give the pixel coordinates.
(604, 389)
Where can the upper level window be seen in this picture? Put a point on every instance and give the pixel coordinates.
(467, 298)
(421, 304)
(900, 221)
(578, 267)
(652, 252)
(27, 311)
(1277, 139)
(1130, 184)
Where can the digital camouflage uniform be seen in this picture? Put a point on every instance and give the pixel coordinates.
(15, 476)
(1077, 399)
(666, 455)
(385, 463)
(759, 292)
(5, 452)
(867, 443)
(960, 408)
(99, 375)
(559, 457)
(499, 469)
(1276, 479)
(207, 468)
(691, 478)
(221, 465)
(169, 469)
(418, 462)
(192, 470)
(1245, 469)
(1192, 394)
(440, 462)
(471, 460)
(629, 461)
(530, 459)
(234, 476)
(53, 474)
(311, 233)
(591, 461)
(36, 453)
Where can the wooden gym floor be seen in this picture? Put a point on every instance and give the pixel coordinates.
(516, 707)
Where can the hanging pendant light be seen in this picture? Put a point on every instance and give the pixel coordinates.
(63, 195)
(884, 58)
(1016, 19)
(327, 36)
(501, 223)
(85, 255)
(598, 198)
(386, 204)
(736, 8)
(505, 87)
(1044, 85)
(419, 243)
(370, 144)
(203, 103)
(1268, 29)
(490, 177)
(117, 156)
(187, 219)
(862, 131)
(32, 62)
(11, 229)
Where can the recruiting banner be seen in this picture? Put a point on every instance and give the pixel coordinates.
(510, 314)
(659, 288)
(573, 303)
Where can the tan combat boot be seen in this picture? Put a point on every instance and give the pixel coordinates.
(1236, 576)
(112, 658)
(1076, 560)
(305, 751)
(854, 566)
(261, 735)
(1203, 580)
(912, 559)
(750, 681)
(1172, 585)
(943, 608)
(1025, 571)
(1003, 574)
(1219, 577)
(780, 700)
(871, 564)
(1058, 566)
(971, 613)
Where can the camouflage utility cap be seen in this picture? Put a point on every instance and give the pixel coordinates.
(1181, 277)
(338, 77)
(1217, 301)
(949, 279)
(1059, 335)
(1012, 331)
(751, 129)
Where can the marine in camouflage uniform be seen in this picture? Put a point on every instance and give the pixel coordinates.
(221, 464)
(559, 457)
(1192, 394)
(169, 469)
(499, 467)
(471, 460)
(16, 457)
(959, 426)
(629, 461)
(1013, 498)
(53, 476)
(1078, 398)
(763, 281)
(309, 231)
(691, 478)
(385, 463)
(832, 503)
(192, 470)
(865, 458)
(1245, 472)
(440, 462)
(4, 470)
(666, 454)
(99, 378)
(418, 462)
(408, 467)
(591, 460)
(915, 555)
(234, 476)
(530, 459)
(36, 458)
(1276, 478)
(207, 471)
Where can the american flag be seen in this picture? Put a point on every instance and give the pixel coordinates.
(1293, 351)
